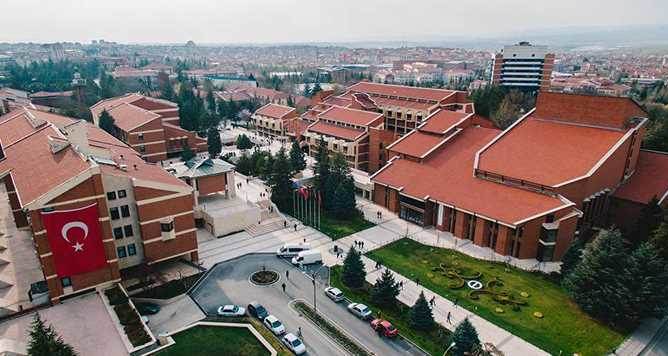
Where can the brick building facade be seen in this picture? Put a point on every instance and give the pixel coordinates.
(53, 163)
(150, 126)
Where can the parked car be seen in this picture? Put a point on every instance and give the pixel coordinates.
(256, 310)
(274, 325)
(147, 308)
(307, 257)
(334, 294)
(294, 344)
(360, 310)
(384, 328)
(231, 310)
(291, 250)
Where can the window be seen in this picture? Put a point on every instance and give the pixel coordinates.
(167, 227)
(132, 250)
(121, 252)
(140, 137)
(128, 230)
(142, 148)
(118, 233)
(111, 196)
(122, 194)
(66, 282)
(114, 213)
(398, 115)
(125, 211)
(389, 113)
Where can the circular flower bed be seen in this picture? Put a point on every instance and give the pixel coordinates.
(264, 278)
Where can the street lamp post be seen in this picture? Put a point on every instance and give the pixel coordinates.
(448, 349)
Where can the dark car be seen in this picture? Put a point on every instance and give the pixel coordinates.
(256, 309)
(147, 308)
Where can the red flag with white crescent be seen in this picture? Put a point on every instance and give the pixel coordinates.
(75, 239)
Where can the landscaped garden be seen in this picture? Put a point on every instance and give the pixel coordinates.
(434, 341)
(338, 228)
(527, 304)
(214, 340)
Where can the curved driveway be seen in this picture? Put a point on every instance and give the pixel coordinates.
(227, 282)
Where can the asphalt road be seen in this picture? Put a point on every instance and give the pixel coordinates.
(228, 282)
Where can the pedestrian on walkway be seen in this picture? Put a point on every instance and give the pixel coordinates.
(287, 274)
(432, 302)
(283, 286)
(377, 265)
(295, 227)
(285, 224)
(304, 240)
(417, 281)
(448, 318)
(401, 285)
(299, 331)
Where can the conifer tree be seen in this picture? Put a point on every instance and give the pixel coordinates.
(244, 164)
(297, 160)
(465, 338)
(386, 290)
(421, 317)
(354, 273)
(44, 341)
(571, 257)
(281, 183)
(106, 122)
(321, 167)
(215, 146)
(343, 199)
(243, 142)
(598, 283)
(647, 280)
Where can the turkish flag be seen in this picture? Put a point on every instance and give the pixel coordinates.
(75, 238)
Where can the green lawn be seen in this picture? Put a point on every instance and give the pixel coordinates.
(213, 340)
(564, 329)
(433, 342)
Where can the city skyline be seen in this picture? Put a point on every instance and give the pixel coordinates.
(289, 21)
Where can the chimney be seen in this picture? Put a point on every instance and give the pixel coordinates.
(77, 135)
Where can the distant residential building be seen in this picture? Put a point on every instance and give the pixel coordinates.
(523, 66)
(231, 81)
(148, 125)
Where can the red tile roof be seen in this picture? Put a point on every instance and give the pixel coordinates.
(402, 103)
(442, 121)
(337, 100)
(274, 111)
(587, 109)
(336, 131)
(401, 90)
(447, 177)
(650, 179)
(350, 116)
(416, 144)
(128, 116)
(548, 152)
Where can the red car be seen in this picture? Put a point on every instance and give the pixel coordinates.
(384, 328)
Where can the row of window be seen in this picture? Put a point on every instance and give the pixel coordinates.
(117, 213)
(123, 231)
(120, 194)
(125, 251)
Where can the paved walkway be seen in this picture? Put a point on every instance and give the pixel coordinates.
(650, 338)
(390, 229)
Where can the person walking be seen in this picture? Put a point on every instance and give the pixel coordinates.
(295, 227)
(299, 331)
(287, 274)
(285, 224)
(455, 301)
(432, 301)
(448, 318)
(283, 286)
(417, 281)
(401, 285)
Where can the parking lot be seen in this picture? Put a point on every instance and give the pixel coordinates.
(228, 283)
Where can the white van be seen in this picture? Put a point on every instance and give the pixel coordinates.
(291, 250)
(307, 257)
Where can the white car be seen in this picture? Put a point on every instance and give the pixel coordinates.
(334, 294)
(274, 325)
(294, 344)
(231, 310)
(360, 310)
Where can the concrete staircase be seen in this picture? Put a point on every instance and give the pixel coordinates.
(267, 226)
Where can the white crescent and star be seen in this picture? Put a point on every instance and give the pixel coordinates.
(74, 224)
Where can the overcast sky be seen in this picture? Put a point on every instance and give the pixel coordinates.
(271, 21)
